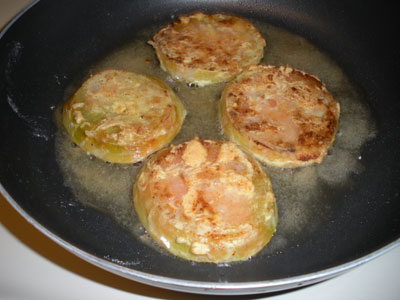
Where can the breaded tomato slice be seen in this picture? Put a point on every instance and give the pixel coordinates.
(283, 116)
(206, 201)
(204, 49)
(121, 116)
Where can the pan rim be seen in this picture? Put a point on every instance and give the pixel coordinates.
(204, 287)
(6, 27)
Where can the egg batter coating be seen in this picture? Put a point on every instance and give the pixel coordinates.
(206, 201)
(121, 116)
(204, 49)
(283, 116)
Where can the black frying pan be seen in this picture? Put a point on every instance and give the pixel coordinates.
(52, 44)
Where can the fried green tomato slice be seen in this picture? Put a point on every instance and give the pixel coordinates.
(206, 201)
(204, 49)
(121, 116)
(283, 116)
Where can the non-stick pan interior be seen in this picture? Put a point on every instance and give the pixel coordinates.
(54, 42)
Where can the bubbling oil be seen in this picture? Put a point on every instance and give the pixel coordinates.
(303, 195)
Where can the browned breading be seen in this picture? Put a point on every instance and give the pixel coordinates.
(206, 201)
(204, 49)
(285, 117)
(121, 116)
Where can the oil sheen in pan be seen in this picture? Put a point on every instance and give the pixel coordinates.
(306, 197)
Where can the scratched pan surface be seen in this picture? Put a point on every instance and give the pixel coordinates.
(53, 43)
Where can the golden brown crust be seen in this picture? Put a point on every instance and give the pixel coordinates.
(206, 201)
(204, 49)
(285, 117)
(121, 116)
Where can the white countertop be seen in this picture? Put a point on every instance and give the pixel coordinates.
(34, 267)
